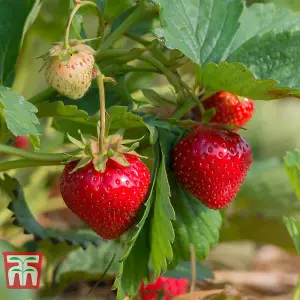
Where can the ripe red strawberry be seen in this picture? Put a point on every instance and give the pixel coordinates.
(70, 71)
(211, 163)
(164, 288)
(107, 202)
(230, 109)
(22, 142)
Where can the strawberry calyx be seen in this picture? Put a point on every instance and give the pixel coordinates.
(65, 54)
(58, 51)
(115, 146)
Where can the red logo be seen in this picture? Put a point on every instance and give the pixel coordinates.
(23, 269)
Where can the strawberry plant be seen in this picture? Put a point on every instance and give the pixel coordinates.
(135, 106)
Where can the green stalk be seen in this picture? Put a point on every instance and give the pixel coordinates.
(102, 55)
(173, 79)
(25, 163)
(100, 81)
(48, 157)
(74, 11)
(197, 101)
(143, 10)
(129, 69)
(185, 108)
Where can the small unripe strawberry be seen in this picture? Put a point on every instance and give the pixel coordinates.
(70, 71)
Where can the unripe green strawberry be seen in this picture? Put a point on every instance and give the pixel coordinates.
(70, 71)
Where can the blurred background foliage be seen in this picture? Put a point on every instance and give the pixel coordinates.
(255, 216)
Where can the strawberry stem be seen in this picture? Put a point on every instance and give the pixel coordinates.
(143, 10)
(101, 137)
(73, 13)
(37, 156)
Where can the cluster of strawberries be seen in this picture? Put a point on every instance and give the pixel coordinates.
(209, 162)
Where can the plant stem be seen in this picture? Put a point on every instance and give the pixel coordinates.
(157, 53)
(25, 163)
(129, 69)
(194, 97)
(186, 107)
(47, 157)
(101, 55)
(143, 10)
(193, 268)
(173, 79)
(74, 11)
(44, 95)
(138, 39)
(100, 81)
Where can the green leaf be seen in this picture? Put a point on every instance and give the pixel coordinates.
(202, 30)
(163, 213)
(183, 270)
(272, 55)
(13, 16)
(235, 78)
(95, 260)
(135, 267)
(115, 8)
(18, 113)
(58, 109)
(293, 227)
(260, 18)
(195, 224)
(121, 118)
(292, 167)
(293, 4)
(35, 141)
(136, 254)
(88, 127)
(23, 217)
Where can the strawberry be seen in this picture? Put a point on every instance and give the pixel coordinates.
(22, 142)
(107, 201)
(230, 109)
(164, 288)
(211, 163)
(70, 71)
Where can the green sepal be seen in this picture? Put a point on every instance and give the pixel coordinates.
(74, 141)
(124, 142)
(82, 163)
(132, 147)
(120, 159)
(100, 163)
